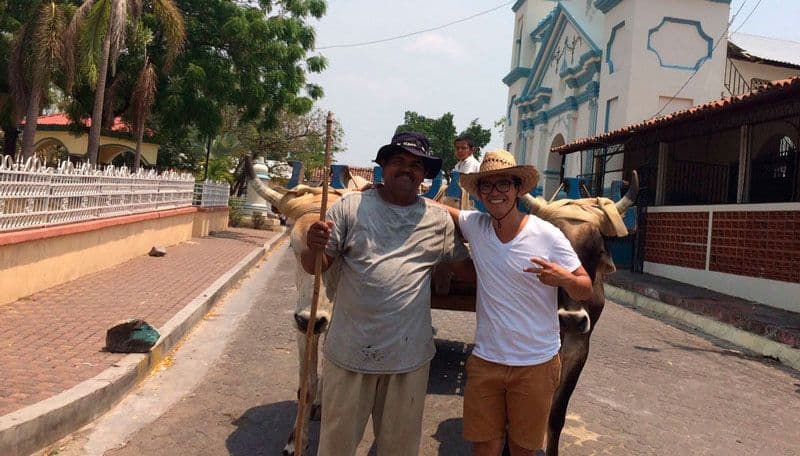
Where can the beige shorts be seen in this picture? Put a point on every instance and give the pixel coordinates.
(513, 399)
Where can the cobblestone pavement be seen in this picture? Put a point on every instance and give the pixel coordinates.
(649, 388)
(52, 340)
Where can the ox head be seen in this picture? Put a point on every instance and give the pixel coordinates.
(586, 223)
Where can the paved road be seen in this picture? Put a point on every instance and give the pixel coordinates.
(649, 388)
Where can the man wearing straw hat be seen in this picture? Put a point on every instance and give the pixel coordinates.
(380, 343)
(520, 261)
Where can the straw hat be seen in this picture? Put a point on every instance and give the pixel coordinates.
(501, 162)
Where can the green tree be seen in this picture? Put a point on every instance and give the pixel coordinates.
(252, 59)
(98, 32)
(441, 134)
(37, 56)
(296, 137)
(10, 22)
(481, 136)
(144, 93)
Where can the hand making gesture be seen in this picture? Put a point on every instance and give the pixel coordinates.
(549, 273)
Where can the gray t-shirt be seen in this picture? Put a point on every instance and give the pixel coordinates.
(381, 319)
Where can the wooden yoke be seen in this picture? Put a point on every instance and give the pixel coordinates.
(302, 404)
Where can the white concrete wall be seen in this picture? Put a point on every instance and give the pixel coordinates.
(639, 78)
(752, 70)
(783, 295)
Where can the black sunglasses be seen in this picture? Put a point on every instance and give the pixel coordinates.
(501, 186)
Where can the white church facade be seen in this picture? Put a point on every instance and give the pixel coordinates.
(583, 67)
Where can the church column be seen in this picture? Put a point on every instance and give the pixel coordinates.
(529, 138)
(572, 161)
(588, 154)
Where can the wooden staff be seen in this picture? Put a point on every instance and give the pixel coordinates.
(302, 402)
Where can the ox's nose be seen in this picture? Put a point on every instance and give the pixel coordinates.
(575, 320)
(320, 324)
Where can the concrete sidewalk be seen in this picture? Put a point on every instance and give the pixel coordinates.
(55, 376)
(766, 330)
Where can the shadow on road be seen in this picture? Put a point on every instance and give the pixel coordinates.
(723, 351)
(449, 436)
(447, 375)
(263, 430)
(238, 236)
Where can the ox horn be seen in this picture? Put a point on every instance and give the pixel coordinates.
(630, 197)
(533, 205)
(255, 183)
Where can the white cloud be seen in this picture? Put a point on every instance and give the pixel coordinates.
(437, 45)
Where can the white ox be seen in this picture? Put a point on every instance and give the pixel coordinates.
(301, 205)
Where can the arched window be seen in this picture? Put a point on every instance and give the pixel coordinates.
(124, 158)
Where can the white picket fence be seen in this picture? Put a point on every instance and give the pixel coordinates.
(211, 194)
(32, 195)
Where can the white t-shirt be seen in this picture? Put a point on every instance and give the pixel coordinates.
(468, 165)
(517, 315)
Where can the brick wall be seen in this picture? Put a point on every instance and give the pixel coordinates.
(757, 244)
(677, 238)
(762, 244)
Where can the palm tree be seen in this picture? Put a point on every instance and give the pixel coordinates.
(98, 31)
(37, 55)
(144, 93)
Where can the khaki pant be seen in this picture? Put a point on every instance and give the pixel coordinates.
(512, 399)
(395, 402)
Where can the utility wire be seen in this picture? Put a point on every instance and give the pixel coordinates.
(719, 40)
(748, 16)
(406, 35)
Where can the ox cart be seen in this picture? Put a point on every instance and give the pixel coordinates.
(586, 223)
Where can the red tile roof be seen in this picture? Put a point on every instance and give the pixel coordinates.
(366, 173)
(775, 90)
(61, 119)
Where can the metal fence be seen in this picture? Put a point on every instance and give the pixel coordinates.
(32, 195)
(211, 194)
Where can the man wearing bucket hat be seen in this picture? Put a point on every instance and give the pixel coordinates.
(520, 261)
(379, 345)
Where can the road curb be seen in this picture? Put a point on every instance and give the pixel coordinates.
(758, 344)
(32, 428)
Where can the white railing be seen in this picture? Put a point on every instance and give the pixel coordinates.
(211, 194)
(32, 195)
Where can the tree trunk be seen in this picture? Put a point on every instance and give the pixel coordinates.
(10, 133)
(99, 94)
(208, 156)
(31, 117)
(139, 137)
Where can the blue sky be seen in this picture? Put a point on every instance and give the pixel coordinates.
(456, 69)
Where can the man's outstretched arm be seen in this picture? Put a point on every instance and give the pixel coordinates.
(454, 213)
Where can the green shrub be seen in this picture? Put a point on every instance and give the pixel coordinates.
(235, 214)
(259, 222)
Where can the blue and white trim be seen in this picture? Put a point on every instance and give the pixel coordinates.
(610, 45)
(579, 75)
(570, 103)
(516, 74)
(606, 5)
(537, 100)
(696, 24)
(549, 32)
